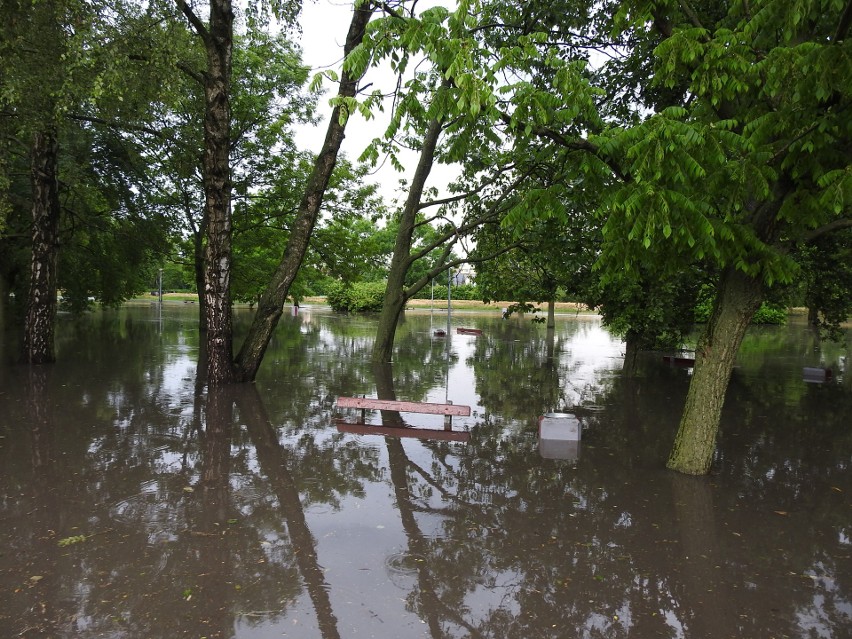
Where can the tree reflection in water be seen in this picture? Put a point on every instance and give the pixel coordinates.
(245, 513)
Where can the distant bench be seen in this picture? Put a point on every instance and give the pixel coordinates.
(448, 410)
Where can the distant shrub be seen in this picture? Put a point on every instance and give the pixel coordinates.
(770, 314)
(356, 298)
(767, 313)
(460, 292)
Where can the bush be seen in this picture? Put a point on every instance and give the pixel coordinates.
(356, 298)
(768, 313)
(460, 292)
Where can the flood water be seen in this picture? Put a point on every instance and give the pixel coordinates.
(133, 503)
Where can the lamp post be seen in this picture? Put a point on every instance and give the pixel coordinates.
(160, 288)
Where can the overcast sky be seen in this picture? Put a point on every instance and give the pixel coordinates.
(324, 25)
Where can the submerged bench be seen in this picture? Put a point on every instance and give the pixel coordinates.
(448, 410)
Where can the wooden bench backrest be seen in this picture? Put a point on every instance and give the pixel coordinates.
(365, 403)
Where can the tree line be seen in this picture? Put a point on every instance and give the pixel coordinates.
(642, 156)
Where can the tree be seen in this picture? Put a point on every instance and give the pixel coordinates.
(454, 100)
(35, 45)
(217, 36)
(66, 72)
(272, 300)
(267, 169)
(345, 244)
(751, 161)
(553, 254)
(826, 263)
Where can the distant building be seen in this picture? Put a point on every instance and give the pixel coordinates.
(463, 275)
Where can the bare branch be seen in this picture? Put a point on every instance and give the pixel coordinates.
(693, 17)
(844, 24)
(836, 225)
(194, 20)
(456, 198)
(116, 126)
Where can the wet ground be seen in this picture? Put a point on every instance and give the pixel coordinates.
(133, 503)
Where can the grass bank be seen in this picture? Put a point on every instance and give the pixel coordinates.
(496, 307)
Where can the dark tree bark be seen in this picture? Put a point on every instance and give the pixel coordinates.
(38, 346)
(271, 304)
(198, 233)
(395, 298)
(737, 300)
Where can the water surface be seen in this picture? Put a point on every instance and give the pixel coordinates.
(133, 503)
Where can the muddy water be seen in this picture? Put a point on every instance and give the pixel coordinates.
(133, 503)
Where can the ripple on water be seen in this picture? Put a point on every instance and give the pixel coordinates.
(144, 507)
(403, 566)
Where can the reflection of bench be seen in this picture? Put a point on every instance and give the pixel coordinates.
(448, 410)
(404, 431)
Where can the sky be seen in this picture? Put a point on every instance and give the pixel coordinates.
(324, 25)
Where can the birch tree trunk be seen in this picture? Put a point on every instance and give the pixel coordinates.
(38, 343)
(217, 193)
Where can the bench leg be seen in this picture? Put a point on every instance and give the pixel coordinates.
(448, 420)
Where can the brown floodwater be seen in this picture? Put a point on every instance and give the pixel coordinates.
(134, 503)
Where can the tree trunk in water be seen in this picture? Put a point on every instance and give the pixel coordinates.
(551, 314)
(813, 316)
(271, 304)
(631, 352)
(738, 298)
(394, 302)
(38, 345)
(217, 193)
(383, 373)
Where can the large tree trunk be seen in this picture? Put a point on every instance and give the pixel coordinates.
(394, 302)
(631, 352)
(551, 314)
(271, 304)
(217, 193)
(38, 345)
(738, 298)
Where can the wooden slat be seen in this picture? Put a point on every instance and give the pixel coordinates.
(388, 431)
(403, 407)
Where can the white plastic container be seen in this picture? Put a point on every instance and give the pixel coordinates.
(559, 436)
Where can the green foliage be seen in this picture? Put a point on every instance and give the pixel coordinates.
(769, 312)
(827, 278)
(346, 245)
(654, 311)
(459, 292)
(751, 163)
(356, 298)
